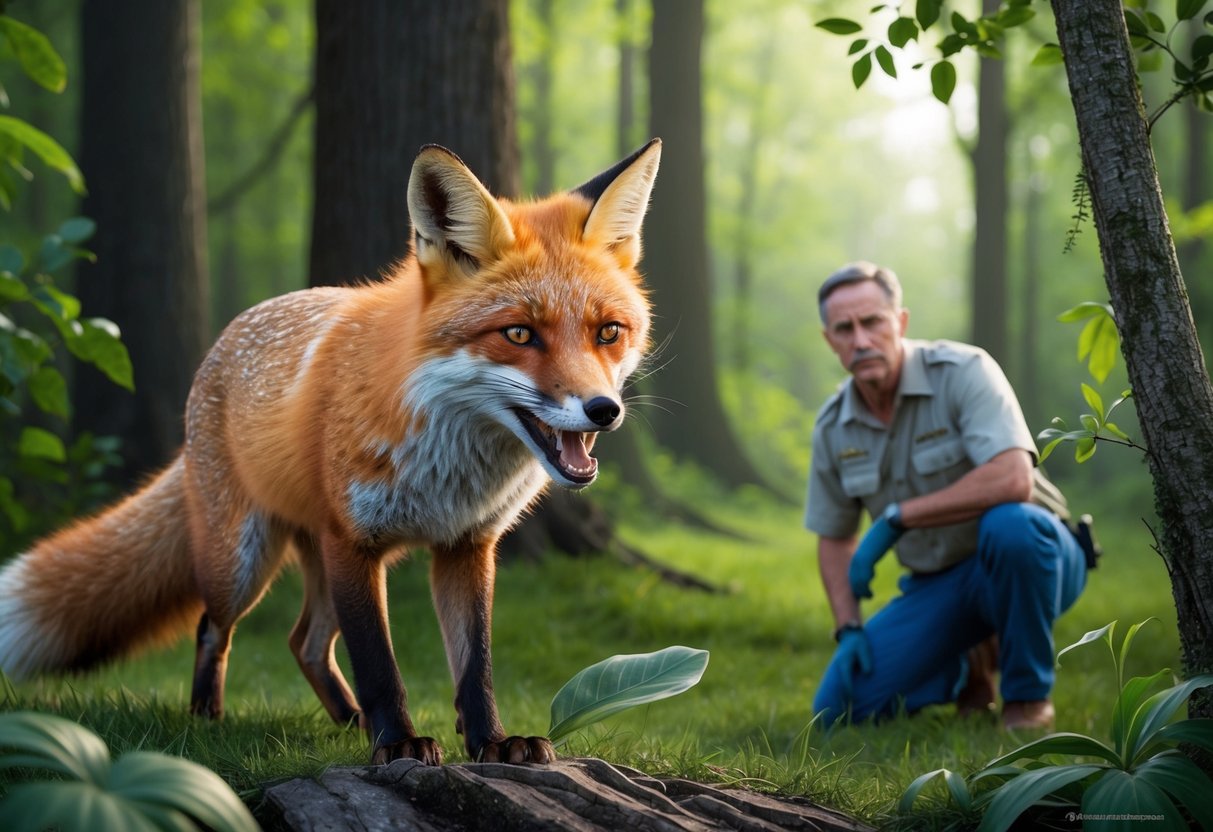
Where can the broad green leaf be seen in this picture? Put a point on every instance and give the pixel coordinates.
(53, 254)
(943, 80)
(1158, 711)
(885, 58)
(55, 304)
(1084, 449)
(61, 745)
(622, 682)
(1094, 400)
(71, 807)
(861, 69)
(1074, 745)
(1112, 428)
(1188, 9)
(1048, 55)
(902, 31)
(12, 288)
(17, 515)
(49, 391)
(98, 342)
(926, 12)
(1126, 798)
(1195, 731)
(857, 45)
(1024, 791)
(1015, 16)
(1184, 781)
(1135, 24)
(47, 149)
(1105, 632)
(1128, 702)
(77, 230)
(1155, 23)
(839, 26)
(36, 54)
(11, 259)
(36, 443)
(1090, 423)
(1086, 309)
(172, 783)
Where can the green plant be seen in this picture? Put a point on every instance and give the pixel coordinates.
(623, 682)
(1142, 773)
(142, 790)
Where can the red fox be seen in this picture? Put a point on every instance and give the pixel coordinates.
(342, 426)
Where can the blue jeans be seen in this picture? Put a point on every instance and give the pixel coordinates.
(1027, 571)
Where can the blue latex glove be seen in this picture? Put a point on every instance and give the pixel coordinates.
(879, 539)
(853, 652)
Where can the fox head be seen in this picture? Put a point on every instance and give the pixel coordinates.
(535, 315)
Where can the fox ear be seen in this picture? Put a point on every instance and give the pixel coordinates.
(621, 197)
(455, 218)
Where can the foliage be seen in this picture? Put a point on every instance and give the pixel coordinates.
(1141, 773)
(623, 682)
(142, 790)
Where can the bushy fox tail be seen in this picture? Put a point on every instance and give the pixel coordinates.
(102, 587)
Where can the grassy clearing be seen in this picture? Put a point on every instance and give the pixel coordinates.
(747, 721)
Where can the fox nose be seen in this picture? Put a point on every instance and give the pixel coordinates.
(602, 410)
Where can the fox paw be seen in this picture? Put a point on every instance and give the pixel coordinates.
(424, 749)
(518, 750)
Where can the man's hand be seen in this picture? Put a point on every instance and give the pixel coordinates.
(853, 652)
(879, 539)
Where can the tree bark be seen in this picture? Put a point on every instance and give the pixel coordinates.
(1158, 338)
(392, 76)
(989, 258)
(676, 257)
(141, 153)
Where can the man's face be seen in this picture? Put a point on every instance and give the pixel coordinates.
(865, 332)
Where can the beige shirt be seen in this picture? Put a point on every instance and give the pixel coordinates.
(954, 411)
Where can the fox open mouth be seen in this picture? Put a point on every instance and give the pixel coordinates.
(564, 449)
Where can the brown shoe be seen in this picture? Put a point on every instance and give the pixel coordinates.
(1027, 716)
(978, 696)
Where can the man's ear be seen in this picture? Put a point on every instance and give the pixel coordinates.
(455, 218)
(621, 197)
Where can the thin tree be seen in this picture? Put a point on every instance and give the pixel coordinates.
(141, 153)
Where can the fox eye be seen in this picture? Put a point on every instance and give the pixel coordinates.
(608, 333)
(520, 335)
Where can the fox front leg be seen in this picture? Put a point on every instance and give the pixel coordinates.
(358, 582)
(461, 579)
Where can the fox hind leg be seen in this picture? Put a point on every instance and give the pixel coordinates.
(461, 579)
(315, 634)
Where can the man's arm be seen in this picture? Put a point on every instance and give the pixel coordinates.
(833, 558)
(1007, 478)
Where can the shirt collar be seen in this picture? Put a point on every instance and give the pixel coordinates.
(914, 382)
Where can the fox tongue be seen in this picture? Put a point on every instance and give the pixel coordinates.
(572, 451)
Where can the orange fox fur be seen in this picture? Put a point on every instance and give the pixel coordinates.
(342, 426)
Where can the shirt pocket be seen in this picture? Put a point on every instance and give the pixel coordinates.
(860, 479)
(938, 457)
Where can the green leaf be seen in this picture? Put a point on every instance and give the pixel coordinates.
(1135, 24)
(857, 45)
(1094, 400)
(1084, 449)
(926, 12)
(1127, 644)
(1048, 55)
(622, 682)
(1015, 16)
(861, 69)
(1128, 702)
(943, 80)
(1183, 780)
(1158, 711)
(1188, 9)
(11, 259)
(98, 342)
(154, 779)
(49, 391)
(1155, 22)
(77, 230)
(915, 788)
(1090, 423)
(1074, 745)
(1112, 428)
(58, 744)
(47, 149)
(1017, 795)
(1086, 309)
(37, 56)
(16, 513)
(1194, 731)
(71, 807)
(885, 58)
(36, 443)
(57, 305)
(1105, 632)
(902, 31)
(839, 26)
(1120, 794)
(12, 288)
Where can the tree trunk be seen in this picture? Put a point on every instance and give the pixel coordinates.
(625, 123)
(1158, 338)
(141, 153)
(989, 260)
(544, 153)
(392, 76)
(696, 427)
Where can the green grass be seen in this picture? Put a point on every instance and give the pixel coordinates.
(746, 722)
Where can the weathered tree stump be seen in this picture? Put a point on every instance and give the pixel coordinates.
(573, 794)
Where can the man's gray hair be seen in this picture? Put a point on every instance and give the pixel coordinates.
(858, 272)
